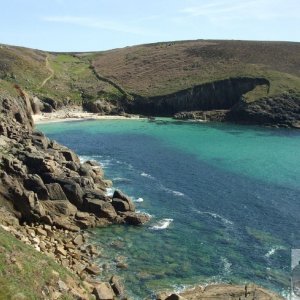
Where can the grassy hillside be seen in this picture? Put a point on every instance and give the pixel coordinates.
(158, 69)
(61, 76)
(150, 70)
(28, 274)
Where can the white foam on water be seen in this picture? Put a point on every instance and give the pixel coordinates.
(162, 224)
(226, 265)
(109, 192)
(105, 163)
(84, 158)
(273, 250)
(138, 200)
(121, 179)
(215, 216)
(147, 175)
(175, 193)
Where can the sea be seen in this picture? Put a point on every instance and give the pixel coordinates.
(224, 201)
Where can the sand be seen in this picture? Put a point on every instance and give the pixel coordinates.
(76, 114)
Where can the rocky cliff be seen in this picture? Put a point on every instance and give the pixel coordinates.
(282, 110)
(222, 94)
(43, 181)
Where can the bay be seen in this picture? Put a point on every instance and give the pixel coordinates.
(224, 200)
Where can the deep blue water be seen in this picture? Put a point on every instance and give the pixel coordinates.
(224, 200)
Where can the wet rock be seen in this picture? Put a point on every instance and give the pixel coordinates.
(136, 219)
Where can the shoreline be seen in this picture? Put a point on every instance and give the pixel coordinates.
(76, 114)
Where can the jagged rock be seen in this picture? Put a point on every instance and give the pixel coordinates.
(41, 231)
(93, 269)
(59, 207)
(116, 285)
(120, 205)
(72, 166)
(74, 193)
(78, 240)
(118, 195)
(82, 215)
(65, 223)
(132, 218)
(85, 171)
(35, 183)
(40, 140)
(95, 194)
(103, 291)
(36, 105)
(79, 267)
(84, 182)
(34, 162)
(61, 251)
(56, 192)
(100, 208)
(29, 206)
(70, 156)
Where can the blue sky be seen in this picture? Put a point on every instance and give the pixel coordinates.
(73, 25)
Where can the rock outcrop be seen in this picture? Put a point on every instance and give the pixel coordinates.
(210, 115)
(282, 111)
(42, 181)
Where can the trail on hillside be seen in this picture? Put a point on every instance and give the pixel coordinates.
(50, 70)
(114, 84)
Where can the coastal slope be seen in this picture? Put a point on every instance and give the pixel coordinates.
(251, 82)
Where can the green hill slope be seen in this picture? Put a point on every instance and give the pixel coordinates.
(159, 69)
(163, 78)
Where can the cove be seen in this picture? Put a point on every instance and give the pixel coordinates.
(224, 200)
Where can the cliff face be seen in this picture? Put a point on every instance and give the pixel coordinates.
(15, 115)
(281, 110)
(223, 94)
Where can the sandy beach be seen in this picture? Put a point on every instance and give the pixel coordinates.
(76, 114)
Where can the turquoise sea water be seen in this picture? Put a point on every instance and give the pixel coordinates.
(224, 200)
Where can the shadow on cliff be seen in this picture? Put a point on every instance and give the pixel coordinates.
(222, 94)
